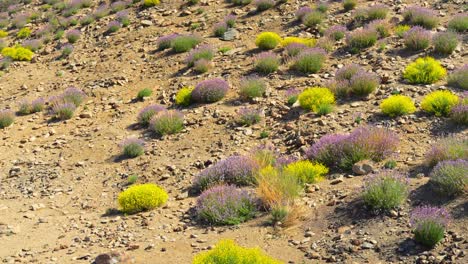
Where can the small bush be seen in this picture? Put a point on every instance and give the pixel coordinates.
(249, 116)
(400, 30)
(226, 251)
(385, 191)
(421, 16)
(73, 95)
(35, 106)
(309, 60)
(63, 110)
(429, 224)
(32, 44)
(312, 19)
(202, 65)
(24, 33)
(363, 83)
(142, 197)
(263, 5)
(165, 42)
(3, 34)
(6, 118)
(417, 38)
(459, 23)
(66, 49)
(18, 53)
(220, 28)
(225, 205)
(132, 147)
(424, 71)
(276, 188)
(184, 96)
(439, 103)
(450, 178)
(267, 40)
(445, 42)
(397, 105)
(459, 113)
(349, 4)
(382, 27)
(230, 20)
(203, 52)
(266, 62)
(150, 3)
(314, 98)
(305, 171)
(113, 26)
(459, 78)
(292, 95)
(294, 49)
(252, 87)
(361, 39)
(352, 79)
(147, 113)
(234, 170)
(302, 12)
(449, 148)
(308, 42)
(145, 92)
(336, 32)
(184, 43)
(167, 122)
(210, 91)
(87, 20)
(241, 2)
(378, 11)
(73, 35)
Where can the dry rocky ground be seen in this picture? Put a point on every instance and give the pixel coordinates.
(59, 180)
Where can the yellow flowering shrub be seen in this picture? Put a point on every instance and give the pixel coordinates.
(142, 197)
(3, 33)
(24, 33)
(267, 40)
(397, 105)
(310, 42)
(425, 71)
(227, 251)
(184, 96)
(314, 98)
(306, 171)
(18, 53)
(149, 3)
(439, 103)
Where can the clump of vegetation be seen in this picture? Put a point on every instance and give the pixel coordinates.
(353, 79)
(361, 39)
(459, 23)
(267, 40)
(132, 147)
(312, 19)
(397, 105)
(184, 96)
(32, 44)
(421, 16)
(150, 3)
(445, 42)
(226, 251)
(449, 177)
(234, 170)
(24, 33)
(308, 42)
(73, 35)
(249, 116)
(220, 28)
(7, 118)
(429, 224)
(385, 191)
(305, 171)
(18, 53)
(424, 71)
(225, 205)
(449, 148)
(263, 5)
(316, 98)
(302, 12)
(26, 107)
(66, 49)
(167, 122)
(292, 95)
(147, 113)
(417, 38)
(349, 4)
(344, 151)
(267, 62)
(400, 30)
(459, 78)
(145, 92)
(377, 11)
(63, 110)
(142, 197)
(113, 26)
(183, 43)
(309, 60)
(252, 87)
(459, 113)
(165, 42)
(336, 32)
(440, 102)
(203, 52)
(210, 91)
(363, 83)
(202, 65)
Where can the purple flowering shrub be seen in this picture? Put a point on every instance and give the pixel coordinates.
(7, 118)
(336, 32)
(266, 62)
(459, 78)
(429, 224)
(352, 79)
(302, 12)
(263, 5)
(210, 91)
(113, 26)
(385, 191)
(234, 170)
(382, 27)
(251, 87)
(361, 39)
(449, 148)
(132, 147)
(26, 107)
(62, 110)
(73, 35)
(148, 112)
(459, 23)
(73, 95)
(167, 122)
(220, 28)
(377, 11)
(421, 16)
(450, 178)
(309, 60)
(203, 52)
(459, 113)
(445, 42)
(165, 42)
(294, 49)
(345, 150)
(417, 38)
(291, 95)
(249, 116)
(226, 205)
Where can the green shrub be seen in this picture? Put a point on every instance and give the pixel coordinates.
(450, 178)
(424, 71)
(459, 23)
(267, 40)
(445, 42)
(397, 105)
(349, 4)
(314, 98)
(312, 19)
(142, 197)
(6, 118)
(385, 191)
(167, 122)
(18, 53)
(252, 87)
(309, 60)
(361, 39)
(184, 43)
(184, 96)
(266, 62)
(132, 147)
(439, 103)
(145, 92)
(227, 252)
(305, 171)
(429, 224)
(24, 33)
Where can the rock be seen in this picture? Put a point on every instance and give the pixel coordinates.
(146, 23)
(367, 245)
(336, 181)
(113, 258)
(14, 171)
(86, 115)
(230, 34)
(363, 167)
